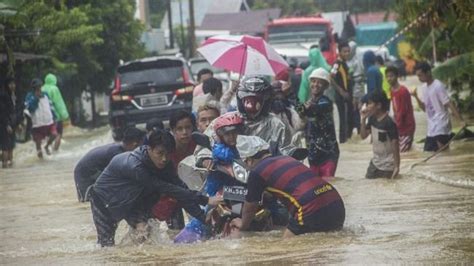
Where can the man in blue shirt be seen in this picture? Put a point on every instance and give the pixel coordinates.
(91, 165)
(131, 184)
(373, 76)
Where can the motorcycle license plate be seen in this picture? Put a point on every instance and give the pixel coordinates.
(235, 193)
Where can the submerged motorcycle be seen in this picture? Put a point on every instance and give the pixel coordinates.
(233, 188)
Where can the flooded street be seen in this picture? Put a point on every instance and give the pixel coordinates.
(426, 216)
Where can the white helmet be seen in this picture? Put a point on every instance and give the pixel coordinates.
(248, 146)
(320, 73)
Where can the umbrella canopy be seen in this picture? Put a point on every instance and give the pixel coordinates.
(243, 54)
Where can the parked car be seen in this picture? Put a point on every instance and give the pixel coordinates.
(147, 88)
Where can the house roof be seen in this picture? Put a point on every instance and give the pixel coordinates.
(371, 18)
(248, 22)
(227, 6)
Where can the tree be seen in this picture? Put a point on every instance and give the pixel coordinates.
(157, 12)
(450, 26)
(84, 41)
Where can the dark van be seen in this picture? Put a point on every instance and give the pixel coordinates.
(147, 88)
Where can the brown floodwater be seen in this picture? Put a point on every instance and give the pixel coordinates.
(425, 216)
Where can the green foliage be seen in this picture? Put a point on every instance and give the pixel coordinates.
(452, 23)
(84, 40)
(157, 12)
(181, 38)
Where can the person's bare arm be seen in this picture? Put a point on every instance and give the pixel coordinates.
(396, 157)
(364, 131)
(456, 113)
(421, 104)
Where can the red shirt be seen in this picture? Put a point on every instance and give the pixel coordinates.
(403, 110)
(177, 156)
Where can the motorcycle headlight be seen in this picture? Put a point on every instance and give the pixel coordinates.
(240, 173)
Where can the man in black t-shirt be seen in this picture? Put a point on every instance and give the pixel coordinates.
(343, 98)
(386, 160)
(91, 165)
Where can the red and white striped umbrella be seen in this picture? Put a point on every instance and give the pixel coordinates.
(243, 54)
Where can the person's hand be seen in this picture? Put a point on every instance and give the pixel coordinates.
(9, 129)
(213, 201)
(414, 93)
(236, 223)
(395, 172)
(364, 112)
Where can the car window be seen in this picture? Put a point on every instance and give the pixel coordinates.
(161, 76)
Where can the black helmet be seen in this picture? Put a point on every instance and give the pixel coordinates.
(258, 91)
(36, 82)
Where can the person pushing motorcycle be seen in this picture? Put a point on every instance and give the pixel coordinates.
(314, 204)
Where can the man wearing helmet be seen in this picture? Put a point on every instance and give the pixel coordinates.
(314, 204)
(254, 104)
(320, 132)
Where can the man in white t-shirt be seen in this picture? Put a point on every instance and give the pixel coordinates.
(435, 103)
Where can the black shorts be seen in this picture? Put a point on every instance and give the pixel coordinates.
(431, 143)
(374, 172)
(328, 218)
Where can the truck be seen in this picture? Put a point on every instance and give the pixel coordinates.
(292, 37)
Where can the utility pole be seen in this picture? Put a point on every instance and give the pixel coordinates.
(170, 24)
(183, 41)
(192, 26)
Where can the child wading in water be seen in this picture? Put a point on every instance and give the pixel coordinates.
(320, 132)
(42, 118)
(386, 160)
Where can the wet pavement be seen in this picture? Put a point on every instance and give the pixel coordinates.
(425, 216)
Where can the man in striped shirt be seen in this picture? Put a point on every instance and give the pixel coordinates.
(314, 204)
